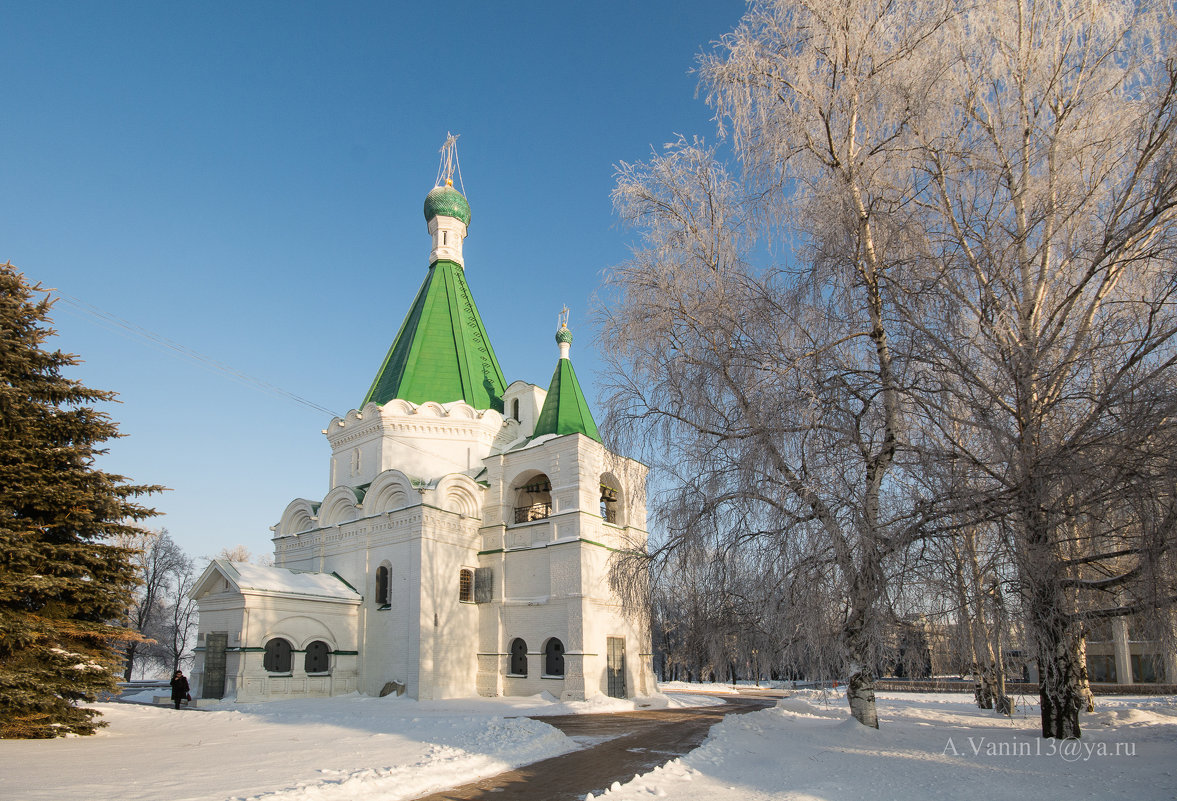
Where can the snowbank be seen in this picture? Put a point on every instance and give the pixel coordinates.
(930, 746)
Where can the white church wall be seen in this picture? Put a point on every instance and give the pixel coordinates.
(530, 400)
(534, 622)
(222, 612)
(390, 632)
(355, 446)
(424, 441)
(564, 570)
(606, 617)
(553, 583)
(527, 575)
(252, 619)
(448, 626)
(491, 658)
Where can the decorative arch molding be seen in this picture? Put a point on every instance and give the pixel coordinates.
(432, 408)
(463, 410)
(399, 406)
(524, 477)
(461, 494)
(354, 416)
(460, 410)
(299, 630)
(390, 490)
(300, 516)
(340, 506)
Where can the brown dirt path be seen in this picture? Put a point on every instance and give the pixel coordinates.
(627, 743)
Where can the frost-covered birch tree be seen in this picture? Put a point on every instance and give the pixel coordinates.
(776, 394)
(1048, 212)
(161, 611)
(157, 560)
(980, 199)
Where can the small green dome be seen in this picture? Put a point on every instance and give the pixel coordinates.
(564, 335)
(447, 202)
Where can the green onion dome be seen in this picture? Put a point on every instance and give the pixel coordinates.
(564, 335)
(446, 201)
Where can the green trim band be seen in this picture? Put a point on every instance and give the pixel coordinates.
(551, 545)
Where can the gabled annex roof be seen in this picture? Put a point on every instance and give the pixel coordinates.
(277, 581)
(442, 352)
(565, 409)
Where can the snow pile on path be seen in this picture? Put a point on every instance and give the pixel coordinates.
(452, 750)
(930, 746)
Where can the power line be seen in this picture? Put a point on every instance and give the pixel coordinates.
(116, 323)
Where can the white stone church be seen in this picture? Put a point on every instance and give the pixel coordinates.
(464, 542)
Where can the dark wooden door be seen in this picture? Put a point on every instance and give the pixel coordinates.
(215, 643)
(615, 663)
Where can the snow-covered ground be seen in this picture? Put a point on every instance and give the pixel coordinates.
(352, 748)
(931, 746)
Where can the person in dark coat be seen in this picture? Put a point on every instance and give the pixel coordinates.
(180, 689)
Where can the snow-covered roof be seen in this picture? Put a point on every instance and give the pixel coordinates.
(281, 580)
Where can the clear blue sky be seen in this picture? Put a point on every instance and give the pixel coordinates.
(246, 179)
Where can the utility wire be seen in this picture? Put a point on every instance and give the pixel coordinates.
(126, 327)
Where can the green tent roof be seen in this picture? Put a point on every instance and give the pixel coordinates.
(442, 352)
(565, 409)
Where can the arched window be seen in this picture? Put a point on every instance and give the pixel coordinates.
(518, 657)
(609, 505)
(554, 658)
(515, 409)
(277, 658)
(466, 585)
(533, 499)
(382, 586)
(318, 657)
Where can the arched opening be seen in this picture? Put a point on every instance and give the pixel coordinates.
(554, 658)
(382, 593)
(610, 500)
(533, 499)
(318, 657)
(466, 585)
(515, 409)
(277, 658)
(518, 657)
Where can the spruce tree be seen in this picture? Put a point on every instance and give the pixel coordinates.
(64, 590)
